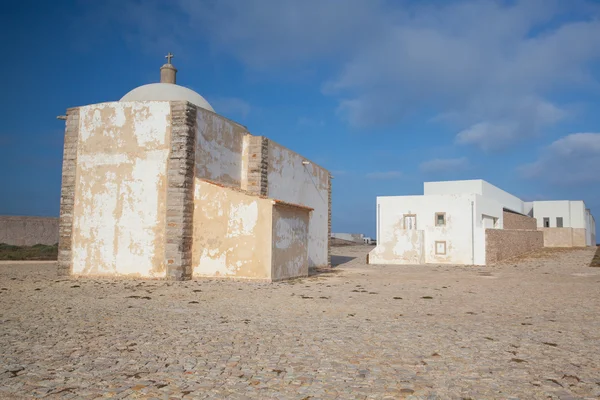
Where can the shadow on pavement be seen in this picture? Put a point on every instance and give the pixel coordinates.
(339, 260)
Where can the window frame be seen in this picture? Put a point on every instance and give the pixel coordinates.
(544, 220)
(404, 221)
(443, 214)
(561, 222)
(436, 247)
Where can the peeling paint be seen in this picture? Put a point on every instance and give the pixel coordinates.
(219, 149)
(232, 233)
(310, 188)
(290, 242)
(119, 210)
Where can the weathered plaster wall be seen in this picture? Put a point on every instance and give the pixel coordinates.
(502, 244)
(517, 221)
(399, 246)
(564, 237)
(308, 185)
(290, 242)
(120, 189)
(232, 233)
(28, 231)
(219, 149)
(393, 240)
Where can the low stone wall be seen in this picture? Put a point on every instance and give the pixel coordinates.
(28, 231)
(501, 244)
(518, 221)
(564, 237)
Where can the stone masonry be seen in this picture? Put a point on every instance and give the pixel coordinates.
(67, 192)
(258, 165)
(518, 221)
(502, 244)
(180, 192)
(28, 231)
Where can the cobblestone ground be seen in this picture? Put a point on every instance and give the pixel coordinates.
(527, 329)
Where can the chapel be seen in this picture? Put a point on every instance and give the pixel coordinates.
(159, 185)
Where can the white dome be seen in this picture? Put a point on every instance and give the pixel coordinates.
(166, 92)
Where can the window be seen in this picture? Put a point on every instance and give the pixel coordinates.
(559, 222)
(440, 248)
(546, 222)
(440, 219)
(410, 221)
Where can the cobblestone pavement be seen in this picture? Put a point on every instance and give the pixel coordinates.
(527, 329)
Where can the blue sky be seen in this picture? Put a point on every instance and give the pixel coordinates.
(385, 94)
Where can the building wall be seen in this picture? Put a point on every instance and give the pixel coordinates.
(502, 244)
(308, 185)
(506, 199)
(564, 237)
(577, 210)
(475, 186)
(552, 210)
(517, 221)
(351, 237)
(120, 189)
(232, 233)
(28, 231)
(393, 240)
(219, 149)
(290, 242)
(399, 246)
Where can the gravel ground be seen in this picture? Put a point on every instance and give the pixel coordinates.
(527, 329)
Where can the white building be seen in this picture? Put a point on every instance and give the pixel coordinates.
(577, 223)
(455, 222)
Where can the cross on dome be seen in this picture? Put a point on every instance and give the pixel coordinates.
(168, 57)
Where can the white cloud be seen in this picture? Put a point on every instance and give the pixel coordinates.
(493, 66)
(444, 164)
(571, 160)
(384, 175)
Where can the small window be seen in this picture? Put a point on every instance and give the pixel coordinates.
(440, 248)
(546, 222)
(410, 221)
(559, 222)
(440, 219)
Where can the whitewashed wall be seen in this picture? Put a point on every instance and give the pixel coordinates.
(291, 181)
(464, 232)
(232, 233)
(120, 191)
(552, 210)
(475, 186)
(290, 242)
(219, 149)
(456, 233)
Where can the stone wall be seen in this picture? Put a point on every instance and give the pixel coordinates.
(28, 231)
(502, 244)
(180, 191)
(67, 192)
(518, 221)
(564, 237)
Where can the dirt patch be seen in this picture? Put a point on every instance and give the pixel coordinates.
(595, 263)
